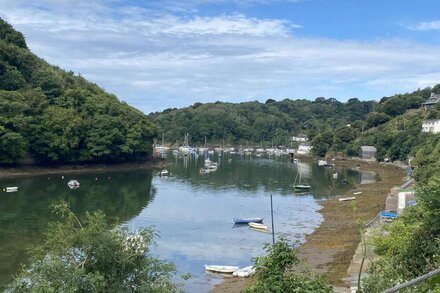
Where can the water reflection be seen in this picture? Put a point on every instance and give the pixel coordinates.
(24, 215)
(191, 211)
(250, 173)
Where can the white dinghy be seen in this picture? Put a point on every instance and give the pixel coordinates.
(244, 272)
(221, 269)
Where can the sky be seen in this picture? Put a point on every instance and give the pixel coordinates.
(170, 54)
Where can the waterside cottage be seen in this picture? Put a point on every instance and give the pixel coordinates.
(367, 153)
(300, 138)
(304, 149)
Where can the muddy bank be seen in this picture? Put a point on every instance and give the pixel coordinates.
(68, 169)
(330, 248)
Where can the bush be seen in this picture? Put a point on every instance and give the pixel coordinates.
(280, 271)
(88, 257)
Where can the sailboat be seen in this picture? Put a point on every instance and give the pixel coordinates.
(298, 185)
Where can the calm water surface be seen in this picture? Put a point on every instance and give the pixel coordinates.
(192, 212)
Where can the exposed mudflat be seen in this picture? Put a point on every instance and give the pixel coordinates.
(330, 248)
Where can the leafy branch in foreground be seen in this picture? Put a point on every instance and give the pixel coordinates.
(280, 271)
(88, 257)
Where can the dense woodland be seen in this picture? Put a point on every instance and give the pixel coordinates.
(49, 115)
(392, 125)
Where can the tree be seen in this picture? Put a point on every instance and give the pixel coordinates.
(322, 144)
(280, 271)
(13, 146)
(87, 256)
(375, 119)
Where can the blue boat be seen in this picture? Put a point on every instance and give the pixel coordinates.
(247, 220)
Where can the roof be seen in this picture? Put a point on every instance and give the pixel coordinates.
(407, 190)
(367, 148)
(431, 121)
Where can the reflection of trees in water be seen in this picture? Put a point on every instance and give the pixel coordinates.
(252, 174)
(24, 215)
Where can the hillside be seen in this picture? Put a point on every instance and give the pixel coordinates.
(48, 115)
(331, 126)
(253, 123)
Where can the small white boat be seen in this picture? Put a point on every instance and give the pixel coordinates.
(258, 226)
(244, 272)
(11, 189)
(73, 184)
(164, 173)
(335, 175)
(347, 198)
(358, 192)
(221, 269)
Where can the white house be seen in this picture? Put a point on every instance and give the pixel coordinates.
(300, 138)
(432, 125)
(405, 198)
(304, 149)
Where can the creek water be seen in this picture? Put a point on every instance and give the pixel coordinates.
(192, 212)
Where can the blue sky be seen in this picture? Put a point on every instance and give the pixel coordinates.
(160, 54)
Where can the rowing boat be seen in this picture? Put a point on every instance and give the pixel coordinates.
(347, 198)
(221, 269)
(258, 226)
(244, 272)
(248, 220)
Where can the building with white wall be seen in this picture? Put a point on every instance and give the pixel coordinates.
(432, 126)
(304, 149)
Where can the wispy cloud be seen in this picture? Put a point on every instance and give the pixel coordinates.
(425, 26)
(155, 59)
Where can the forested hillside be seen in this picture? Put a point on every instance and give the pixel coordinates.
(394, 128)
(50, 115)
(252, 123)
(393, 124)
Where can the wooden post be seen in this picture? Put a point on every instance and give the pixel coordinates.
(271, 213)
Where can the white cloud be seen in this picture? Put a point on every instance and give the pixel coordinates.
(157, 59)
(425, 26)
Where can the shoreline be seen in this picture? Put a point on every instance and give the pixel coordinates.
(35, 170)
(330, 248)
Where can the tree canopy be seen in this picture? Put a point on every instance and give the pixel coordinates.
(88, 256)
(54, 116)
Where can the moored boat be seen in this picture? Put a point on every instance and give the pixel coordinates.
(248, 220)
(258, 226)
(347, 198)
(73, 184)
(244, 272)
(164, 173)
(298, 185)
(301, 187)
(221, 269)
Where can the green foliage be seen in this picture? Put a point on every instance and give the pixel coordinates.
(9, 35)
(375, 119)
(410, 246)
(57, 117)
(322, 143)
(87, 256)
(279, 271)
(256, 123)
(12, 146)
